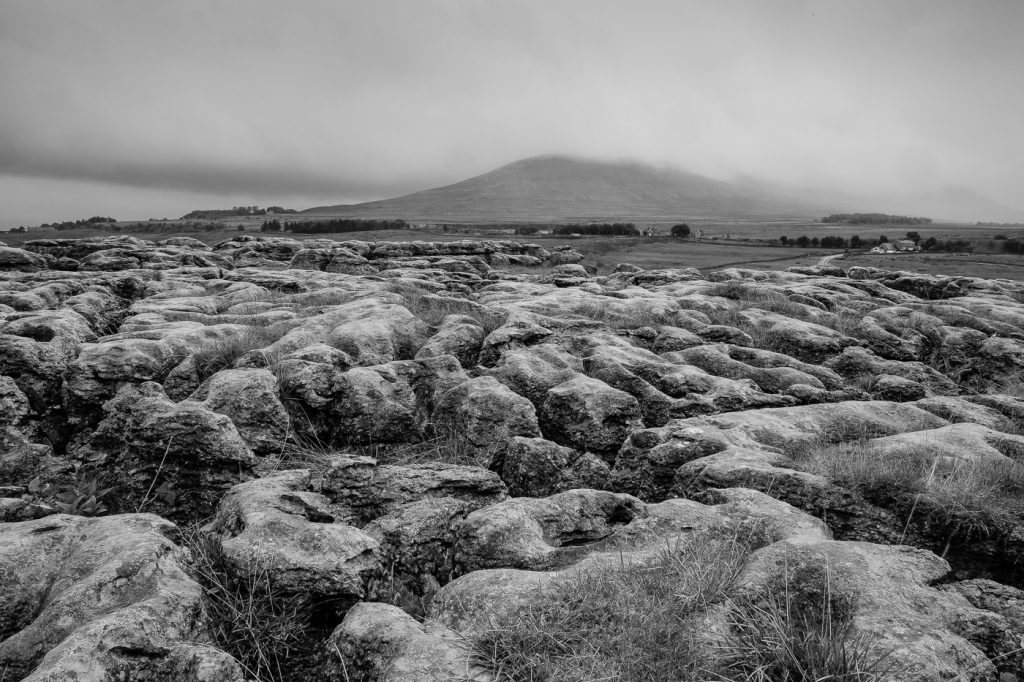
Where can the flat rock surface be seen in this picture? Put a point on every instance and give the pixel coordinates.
(414, 434)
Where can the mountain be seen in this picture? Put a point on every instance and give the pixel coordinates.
(565, 188)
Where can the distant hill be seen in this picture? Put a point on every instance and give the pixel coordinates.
(950, 204)
(565, 188)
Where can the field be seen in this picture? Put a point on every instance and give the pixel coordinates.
(987, 265)
(733, 244)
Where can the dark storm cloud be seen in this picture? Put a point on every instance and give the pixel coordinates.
(206, 178)
(330, 102)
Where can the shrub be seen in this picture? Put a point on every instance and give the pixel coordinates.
(82, 497)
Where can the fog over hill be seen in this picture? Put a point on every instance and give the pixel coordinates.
(568, 188)
(561, 187)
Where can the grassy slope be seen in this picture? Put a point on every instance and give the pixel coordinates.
(557, 187)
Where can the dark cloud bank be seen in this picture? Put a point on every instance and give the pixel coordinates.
(156, 108)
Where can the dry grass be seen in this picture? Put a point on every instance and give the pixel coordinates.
(1012, 386)
(975, 495)
(762, 333)
(842, 320)
(311, 454)
(635, 622)
(222, 353)
(645, 622)
(745, 297)
(643, 315)
(799, 631)
(250, 618)
(433, 308)
(757, 296)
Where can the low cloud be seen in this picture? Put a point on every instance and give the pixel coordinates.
(340, 102)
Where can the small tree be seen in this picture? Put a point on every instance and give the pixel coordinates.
(681, 231)
(803, 241)
(784, 240)
(914, 236)
(856, 242)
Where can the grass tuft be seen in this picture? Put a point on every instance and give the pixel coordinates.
(433, 308)
(223, 353)
(788, 635)
(631, 622)
(307, 453)
(249, 617)
(642, 315)
(977, 496)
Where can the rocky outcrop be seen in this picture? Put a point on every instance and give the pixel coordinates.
(278, 526)
(100, 599)
(529, 532)
(486, 416)
(380, 641)
(172, 459)
(534, 467)
(21, 260)
(249, 397)
(622, 413)
(589, 414)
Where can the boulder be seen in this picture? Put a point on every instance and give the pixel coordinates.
(20, 260)
(277, 525)
(379, 334)
(101, 599)
(529, 533)
(486, 416)
(535, 467)
(457, 338)
(369, 490)
(172, 459)
(897, 389)
(382, 642)
(250, 398)
(590, 415)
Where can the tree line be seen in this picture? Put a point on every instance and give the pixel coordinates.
(234, 212)
(875, 219)
(332, 225)
(84, 222)
(1013, 246)
(602, 229)
(858, 242)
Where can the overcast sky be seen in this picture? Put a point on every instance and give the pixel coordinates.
(147, 108)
